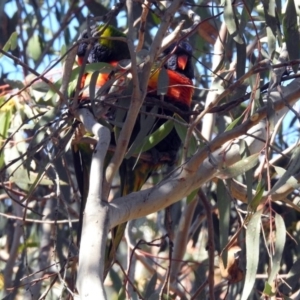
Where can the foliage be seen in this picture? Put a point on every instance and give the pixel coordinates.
(235, 236)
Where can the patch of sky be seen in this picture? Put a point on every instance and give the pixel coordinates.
(51, 24)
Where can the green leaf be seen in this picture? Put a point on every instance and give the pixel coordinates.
(34, 47)
(42, 87)
(252, 253)
(224, 207)
(246, 13)
(241, 166)
(157, 136)
(231, 21)
(155, 18)
(271, 24)
(5, 119)
(146, 125)
(286, 176)
(122, 293)
(271, 42)
(13, 41)
(253, 204)
(280, 238)
(234, 123)
(11, 44)
(162, 82)
(26, 245)
(291, 33)
(245, 152)
(92, 85)
(191, 196)
(268, 290)
(182, 132)
(51, 93)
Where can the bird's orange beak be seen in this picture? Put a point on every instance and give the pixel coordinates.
(114, 63)
(80, 60)
(182, 61)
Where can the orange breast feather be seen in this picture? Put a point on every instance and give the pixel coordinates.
(180, 87)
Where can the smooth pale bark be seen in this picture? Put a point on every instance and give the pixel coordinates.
(95, 226)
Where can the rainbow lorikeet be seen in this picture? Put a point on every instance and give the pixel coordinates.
(179, 93)
(134, 173)
(104, 50)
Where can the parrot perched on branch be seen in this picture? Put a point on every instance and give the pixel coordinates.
(101, 50)
(177, 64)
(179, 93)
(134, 173)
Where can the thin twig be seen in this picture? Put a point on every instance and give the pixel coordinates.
(199, 290)
(38, 221)
(128, 279)
(142, 28)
